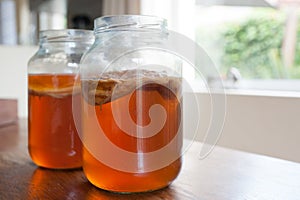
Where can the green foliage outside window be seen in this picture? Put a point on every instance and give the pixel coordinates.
(254, 47)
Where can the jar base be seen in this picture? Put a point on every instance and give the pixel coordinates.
(59, 168)
(121, 192)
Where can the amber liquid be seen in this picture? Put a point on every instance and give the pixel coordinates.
(53, 140)
(108, 178)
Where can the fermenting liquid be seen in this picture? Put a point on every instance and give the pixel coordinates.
(53, 138)
(132, 100)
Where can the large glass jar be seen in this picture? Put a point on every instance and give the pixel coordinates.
(131, 88)
(53, 139)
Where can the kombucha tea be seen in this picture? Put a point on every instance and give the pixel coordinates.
(53, 138)
(136, 97)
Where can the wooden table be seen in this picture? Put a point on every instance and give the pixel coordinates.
(224, 174)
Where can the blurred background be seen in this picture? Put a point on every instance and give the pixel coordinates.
(255, 39)
(20, 20)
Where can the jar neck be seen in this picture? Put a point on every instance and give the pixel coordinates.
(68, 38)
(132, 23)
(134, 30)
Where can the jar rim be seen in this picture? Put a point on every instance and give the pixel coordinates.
(127, 22)
(66, 35)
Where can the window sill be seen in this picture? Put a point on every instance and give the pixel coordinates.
(263, 93)
(269, 88)
(259, 88)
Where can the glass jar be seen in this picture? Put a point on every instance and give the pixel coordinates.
(131, 89)
(53, 140)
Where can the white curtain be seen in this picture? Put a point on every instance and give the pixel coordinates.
(121, 7)
(8, 22)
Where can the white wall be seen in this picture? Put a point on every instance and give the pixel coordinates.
(13, 74)
(265, 124)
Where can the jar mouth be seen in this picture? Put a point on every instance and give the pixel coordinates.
(66, 35)
(129, 22)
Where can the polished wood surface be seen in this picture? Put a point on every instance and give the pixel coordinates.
(224, 174)
(8, 111)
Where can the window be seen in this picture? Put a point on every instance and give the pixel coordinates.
(254, 44)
